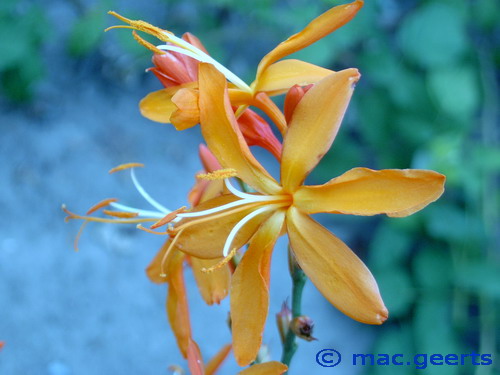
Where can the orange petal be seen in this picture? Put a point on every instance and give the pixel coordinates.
(222, 134)
(292, 98)
(155, 269)
(210, 163)
(264, 102)
(206, 238)
(158, 106)
(314, 125)
(196, 192)
(195, 361)
(213, 286)
(250, 291)
(363, 191)
(257, 132)
(214, 364)
(336, 271)
(266, 368)
(317, 29)
(280, 76)
(177, 306)
(187, 114)
(171, 67)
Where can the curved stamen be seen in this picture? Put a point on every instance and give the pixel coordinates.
(236, 192)
(199, 55)
(241, 202)
(239, 225)
(146, 196)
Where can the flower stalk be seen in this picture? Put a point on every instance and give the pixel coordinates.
(299, 279)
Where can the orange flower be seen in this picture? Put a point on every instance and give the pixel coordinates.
(273, 77)
(232, 220)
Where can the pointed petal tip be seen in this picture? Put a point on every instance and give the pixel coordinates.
(382, 316)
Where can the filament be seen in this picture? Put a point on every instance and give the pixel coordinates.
(239, 225)
(146, 196)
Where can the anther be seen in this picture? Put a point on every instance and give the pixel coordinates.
(222, 263)
(101, 204)
(121, 167)
(168, 218)
(219, 174)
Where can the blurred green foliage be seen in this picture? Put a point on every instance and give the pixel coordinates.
(429, 98)
(23, 29)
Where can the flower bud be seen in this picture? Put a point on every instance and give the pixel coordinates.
(283, 319)
(303, 326)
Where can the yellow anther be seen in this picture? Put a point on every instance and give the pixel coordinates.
(120, 214)
(140, 25)
(168, 218)
(222, 263)
(146, 44)
(219, 174)
(101, 204)
(121, 167)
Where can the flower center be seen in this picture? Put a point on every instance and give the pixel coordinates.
(258, 202)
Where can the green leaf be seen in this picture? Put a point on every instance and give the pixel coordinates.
(479, 276)
(16, 44)
(433, 331)
(433, 35)
(394, 340)
(396, 289)
(432, 269)
(390, 246)
(87, 33)
(448, 222)
(455, 91)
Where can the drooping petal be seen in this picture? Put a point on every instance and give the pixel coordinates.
(155, 269)
(205, 239)
(335, 270)
(266, 368)
(314, 31)
(213, 286)
(314, 125)
(217, 360)
(280, 76)
(187, 114)
(221, 132)
(195, 361)
(177, 306)
(250, 291)
(363, 191)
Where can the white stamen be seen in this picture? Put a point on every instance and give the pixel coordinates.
(236, 192)
(202, 56)
(146, 196)
(168, 47)
(239, 225)
(241, 202)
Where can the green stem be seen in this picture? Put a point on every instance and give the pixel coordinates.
(298, 281)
